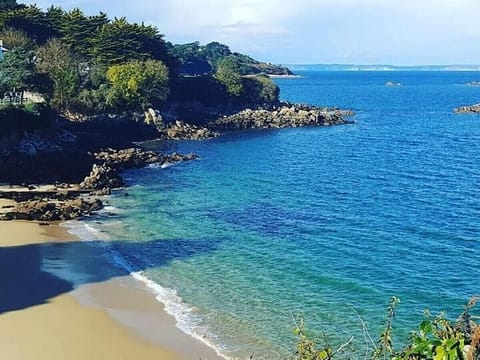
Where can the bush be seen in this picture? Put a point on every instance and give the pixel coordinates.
(260, 89)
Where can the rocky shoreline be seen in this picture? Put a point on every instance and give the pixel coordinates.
(284, 116)
(78, 176)
(71, 201)
(271, 116)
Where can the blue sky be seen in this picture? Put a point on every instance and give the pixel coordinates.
(400, 32)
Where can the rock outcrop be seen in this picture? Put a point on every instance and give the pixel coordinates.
(468, 109)
(137, 158)
(105, 176)
(281, 117)
(183, 131)
(46, 210)
(102, 177)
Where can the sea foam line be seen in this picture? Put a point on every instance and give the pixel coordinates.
(174, 305)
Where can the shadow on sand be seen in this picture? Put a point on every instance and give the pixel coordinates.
(33, 274)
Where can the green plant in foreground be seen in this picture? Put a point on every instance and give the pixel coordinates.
(436, 338)
(385, 343)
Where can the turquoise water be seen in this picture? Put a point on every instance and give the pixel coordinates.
(327, 222)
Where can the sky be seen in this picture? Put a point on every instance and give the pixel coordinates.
(396, 32)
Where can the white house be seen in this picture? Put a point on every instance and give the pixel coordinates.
(2, 50)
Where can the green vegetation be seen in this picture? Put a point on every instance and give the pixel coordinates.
(136, 83)
(436, 338)
(91, 64)
(194, 59)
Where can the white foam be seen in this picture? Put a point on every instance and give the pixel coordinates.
(186, 318)
(161, 166)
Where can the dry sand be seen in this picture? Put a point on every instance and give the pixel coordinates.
(43, 316)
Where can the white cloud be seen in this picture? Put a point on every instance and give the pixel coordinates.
(400, 31)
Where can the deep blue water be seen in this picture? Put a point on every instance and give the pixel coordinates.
(327, 222)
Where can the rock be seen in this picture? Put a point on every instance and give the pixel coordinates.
(183, 131)
(44, 210)
(285, 116)
(475, 109)
(105, 176)
(102, 177)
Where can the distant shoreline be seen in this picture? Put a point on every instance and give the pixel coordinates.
(380, 67)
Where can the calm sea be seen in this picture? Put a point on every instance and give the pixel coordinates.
(325, 223)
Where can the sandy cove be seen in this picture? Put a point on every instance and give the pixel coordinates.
(77, 316)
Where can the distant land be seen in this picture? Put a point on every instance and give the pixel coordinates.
(353, 67)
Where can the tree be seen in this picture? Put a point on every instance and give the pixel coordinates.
(78, 30)
(31, 20)
(216, 52)
(191, 59)
(8, 5)
(137, 83)
(228, 74)
(260, 89)
(16, 69)
(13, 38)
(119, 42)
(57, 61)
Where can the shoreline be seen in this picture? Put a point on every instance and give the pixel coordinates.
(111, 317)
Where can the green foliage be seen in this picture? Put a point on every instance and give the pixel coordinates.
(13, 38)
(436, 338)
(307, 348)
(137, 84)
(8, 5)
(57, 61)
(78, 30)
(385, 343)
(191, 59)
(31, 20)
(229, 75)
(16, 70)
(260, 89)
(216, 52)
(74, 52)
(90, 101)
(119, 41)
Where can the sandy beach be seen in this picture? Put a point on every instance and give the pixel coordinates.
(55, 305)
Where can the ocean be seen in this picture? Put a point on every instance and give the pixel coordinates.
(322, 223)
